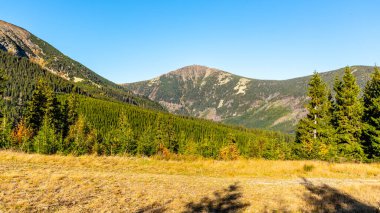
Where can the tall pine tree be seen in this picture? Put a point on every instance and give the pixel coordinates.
(347, 116)
(53, 111)
(5, 127)
(315, 130)
(3, 79)
(36, 107)
(371, 116)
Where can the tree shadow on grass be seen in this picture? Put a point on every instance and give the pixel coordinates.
(325, 198)
(223, 201)
(154, 208)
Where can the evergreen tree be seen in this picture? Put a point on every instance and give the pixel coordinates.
(145, 145)
(5, 133)
(5, 128)
(347, 116)
(3, 80)
(36, 107)
(315, 129)
(45, 141)
(69, 114)
(371, 116)
(53, 111)
(77, 141)
(160, 139)
(72, 103)
(173, 143)
(121, 139)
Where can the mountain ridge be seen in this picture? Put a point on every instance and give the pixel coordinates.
(22, 43)
(214, 94)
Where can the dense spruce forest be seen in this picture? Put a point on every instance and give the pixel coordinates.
(23, 75)
(45, 113)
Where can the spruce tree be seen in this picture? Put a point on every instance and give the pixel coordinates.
(46, 141)
(5, 132)
(3, 80)
(315, 130)
(72, 102)
(160, 140)
(36, 107)
(347, 116)
(69, 114)
(53, 111)
(173, 144)
(5, 127)
(81, 138)
(371, 116)
(121, 138)
(144, 144)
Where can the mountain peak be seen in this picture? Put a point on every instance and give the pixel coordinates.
(194, 72)
(4, 25)
(17, 41)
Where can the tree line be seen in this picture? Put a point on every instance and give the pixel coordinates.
(341, 125)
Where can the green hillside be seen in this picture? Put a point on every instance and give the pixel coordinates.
(148, 129)
(19, 42)
(217, 95)
(109, 125)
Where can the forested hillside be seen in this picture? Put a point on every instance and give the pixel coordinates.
(218, 95)
(48, 114)
(78, 124)
(19, 42)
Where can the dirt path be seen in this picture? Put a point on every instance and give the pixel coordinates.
(298, 181)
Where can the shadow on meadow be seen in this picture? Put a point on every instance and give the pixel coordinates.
(324, 198)
(223, 201)
(154, 208)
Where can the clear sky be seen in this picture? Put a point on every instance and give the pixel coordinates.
(133, 40)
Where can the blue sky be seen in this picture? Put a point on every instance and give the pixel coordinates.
(127, 41)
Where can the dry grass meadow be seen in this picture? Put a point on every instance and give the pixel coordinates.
(39, 183)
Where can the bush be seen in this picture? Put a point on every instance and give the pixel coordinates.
(229, 152)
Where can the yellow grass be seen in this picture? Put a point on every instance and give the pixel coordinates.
(31, 182)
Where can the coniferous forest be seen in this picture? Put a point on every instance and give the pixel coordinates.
(341, 124)
(47, 114)
(44, 113)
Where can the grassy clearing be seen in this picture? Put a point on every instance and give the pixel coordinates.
(31, 182)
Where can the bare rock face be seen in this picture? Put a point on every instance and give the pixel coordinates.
(17, 41)
(217, 95)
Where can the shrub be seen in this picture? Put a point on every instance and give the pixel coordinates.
(229, 152)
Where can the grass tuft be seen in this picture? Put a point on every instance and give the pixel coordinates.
(308, 167)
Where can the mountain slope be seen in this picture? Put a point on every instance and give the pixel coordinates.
(221, 96)
(21, 43)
